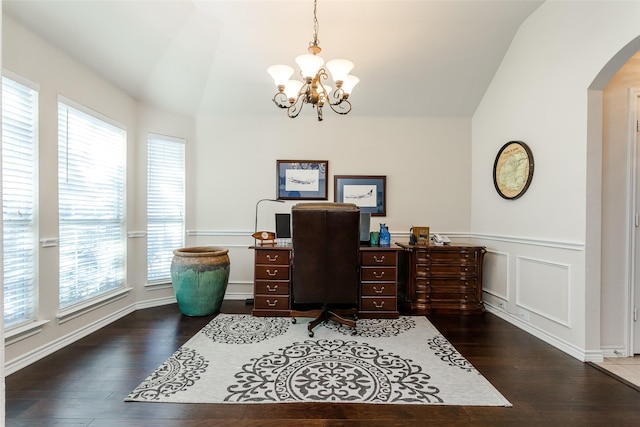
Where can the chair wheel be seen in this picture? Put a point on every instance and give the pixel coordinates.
(293, 320)
(311, 334)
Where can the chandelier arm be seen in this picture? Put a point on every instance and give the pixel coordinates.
(280, 99)
(296, 107)
(342, 107)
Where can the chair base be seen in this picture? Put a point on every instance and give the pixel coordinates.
(345, 317)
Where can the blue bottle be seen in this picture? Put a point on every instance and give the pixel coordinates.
(385, 236)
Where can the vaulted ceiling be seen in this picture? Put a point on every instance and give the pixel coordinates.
(413, 58)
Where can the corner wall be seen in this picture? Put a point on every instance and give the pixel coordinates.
(540, 95)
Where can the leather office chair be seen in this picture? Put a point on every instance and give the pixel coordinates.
(326, 262)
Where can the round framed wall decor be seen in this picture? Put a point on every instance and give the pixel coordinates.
(513, 169)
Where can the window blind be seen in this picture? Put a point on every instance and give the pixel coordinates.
(165, 204)
(91, 186)
(19, 140)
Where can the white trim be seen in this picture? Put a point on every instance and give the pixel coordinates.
(632, 176)
(566, 323)
(559, 244)
(156, 302)
(576, 352)
(176, 139)
(78, 310)
(86, 110)
(49, 242)
(49, 348)
(136, 234)
(25, 330)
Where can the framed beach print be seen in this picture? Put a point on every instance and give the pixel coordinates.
(368, 192)
(302, 179)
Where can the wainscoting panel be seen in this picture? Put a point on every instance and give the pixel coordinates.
(495, 272)
(536, 281)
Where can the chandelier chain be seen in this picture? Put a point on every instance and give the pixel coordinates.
(316, 26)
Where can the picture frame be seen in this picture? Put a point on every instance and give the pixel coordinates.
(421, 235)
(302, 179)
(368, 192)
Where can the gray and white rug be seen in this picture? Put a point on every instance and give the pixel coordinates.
(246, 359)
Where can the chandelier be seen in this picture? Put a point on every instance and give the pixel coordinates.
(294, 94)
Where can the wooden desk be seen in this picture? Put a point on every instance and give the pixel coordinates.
(272, 291)
(442, 279)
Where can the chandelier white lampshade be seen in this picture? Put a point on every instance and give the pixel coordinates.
(292, 89)
(280, 74)
(292, 95)
(339, 69)
(349, 83)
(309, 65)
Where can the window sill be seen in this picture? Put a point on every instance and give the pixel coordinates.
(21, 332)
(78, 310)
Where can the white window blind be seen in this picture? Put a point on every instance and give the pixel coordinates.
(91, 185)
(165, 204)
(19, 142)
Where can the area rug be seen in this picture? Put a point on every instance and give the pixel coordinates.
(247, 359)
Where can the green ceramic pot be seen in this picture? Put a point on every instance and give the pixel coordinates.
(199, 276)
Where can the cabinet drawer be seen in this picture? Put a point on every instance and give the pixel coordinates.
(272, 287)
(450, 270)
(272, 257)
(273, 272)
(262, 302)
(378, 289)
(378, 304)
(447, 256)
(378, 258)
(469, 285)
(378, 274)
(454, 296)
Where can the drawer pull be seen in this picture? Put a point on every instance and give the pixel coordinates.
(270, 289)
(272, 304)
(378, 275)
(270, 259)
(275, 272)
(381, 259)
(376, 305)
(378, 291)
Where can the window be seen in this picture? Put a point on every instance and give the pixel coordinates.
(19, 141)
(165, 204)
(91, 186)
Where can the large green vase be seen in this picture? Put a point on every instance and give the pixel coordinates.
(199, 276)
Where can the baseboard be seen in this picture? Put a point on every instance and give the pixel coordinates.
(573, 351)
(33, 356)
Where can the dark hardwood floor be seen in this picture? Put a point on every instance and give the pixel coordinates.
(85, 383)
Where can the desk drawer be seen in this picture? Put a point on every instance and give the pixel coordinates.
(378, 304)
(272, 287)
(268, 302)
(387, 274)
(447, 270)
(379, 258)
(378, 289)
(272, 257)
(272, 272)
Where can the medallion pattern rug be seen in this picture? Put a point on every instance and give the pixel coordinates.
(246, 359)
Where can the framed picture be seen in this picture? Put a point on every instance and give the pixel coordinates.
(368, 192)
(302, 179)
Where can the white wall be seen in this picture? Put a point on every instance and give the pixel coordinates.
(540, 95)
(34, 59)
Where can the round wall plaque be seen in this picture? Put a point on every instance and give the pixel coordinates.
(513, 169)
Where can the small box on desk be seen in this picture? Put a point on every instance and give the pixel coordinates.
(420, 235)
